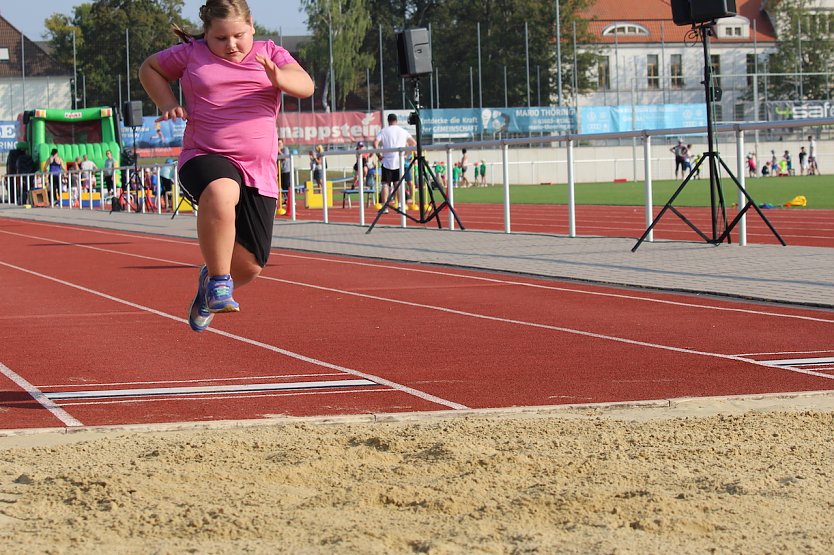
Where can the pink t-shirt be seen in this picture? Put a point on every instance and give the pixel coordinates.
(232, 108)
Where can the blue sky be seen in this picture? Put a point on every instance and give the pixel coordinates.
(28, 15)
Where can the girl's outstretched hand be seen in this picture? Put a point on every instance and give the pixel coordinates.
(271, 69)
(175, 112)
(290, 78)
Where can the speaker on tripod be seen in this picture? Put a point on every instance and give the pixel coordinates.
(690, 12)
(414, 57)
(701, 14)
(132, 112)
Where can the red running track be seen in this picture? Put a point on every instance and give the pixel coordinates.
(93, 333)
(798, 227)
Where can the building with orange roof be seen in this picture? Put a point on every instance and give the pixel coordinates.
(645, 58)
(29, 76)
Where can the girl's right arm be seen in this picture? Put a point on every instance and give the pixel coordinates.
(158, 87)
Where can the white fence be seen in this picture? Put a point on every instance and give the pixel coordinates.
(548, 159)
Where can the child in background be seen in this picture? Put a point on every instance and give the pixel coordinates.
(232, 87)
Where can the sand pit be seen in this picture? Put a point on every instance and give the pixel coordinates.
(714, 476)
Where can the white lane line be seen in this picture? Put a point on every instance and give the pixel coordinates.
(39, 396)
(199, 380)
(437, 273)
(379, 380)
(784, 353)
(204, 390)
(428, 307)
(801, 361)
(219, 397)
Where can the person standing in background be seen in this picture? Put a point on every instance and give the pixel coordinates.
(390, 137)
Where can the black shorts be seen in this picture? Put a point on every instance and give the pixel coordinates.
(254, 213)
(389, 175)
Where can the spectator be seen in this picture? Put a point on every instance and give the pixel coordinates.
(803, 160)
(409, 177)
(483, 173)
(284, 167)
(766, 169)
(316, 167)
(88, 178)
(812, 156)
(56, 167)
(391, 137)
(166, 180)
(681, 154)
(109, 171)
(788, 163)
(751, 165)
(364, 159)
(464, 165)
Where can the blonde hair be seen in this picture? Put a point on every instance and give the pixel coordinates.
(212, 10)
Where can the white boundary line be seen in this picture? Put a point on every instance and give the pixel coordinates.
(39, 396)
(334, 260)
(204, 389)
(181, 399)
(196, 380)
(382, 381)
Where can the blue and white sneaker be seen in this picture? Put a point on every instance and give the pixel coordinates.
(219, 294)
(199, 316)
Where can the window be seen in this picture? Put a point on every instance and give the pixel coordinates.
(652, 72)
(751, 69)
(739, 111)
(715, 65)
(4, 54)
(603, 73)
(676, 70)
(625, 29)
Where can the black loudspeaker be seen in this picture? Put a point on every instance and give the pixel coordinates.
(414, 52)
(682, 12)
(132, 112)
(707, 10)
(689, 12)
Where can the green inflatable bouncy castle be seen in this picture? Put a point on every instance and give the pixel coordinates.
(90, 131)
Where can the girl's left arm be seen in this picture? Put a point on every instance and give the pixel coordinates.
(291, 78)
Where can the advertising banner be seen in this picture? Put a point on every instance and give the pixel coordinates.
(471, 122)
(328, 127)
(155, 134)
(8, 136)
(780, 110)
(613, 119)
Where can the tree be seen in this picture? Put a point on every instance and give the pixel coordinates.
(804, 45)
(454, 28)
(345, 23)
(103, 31)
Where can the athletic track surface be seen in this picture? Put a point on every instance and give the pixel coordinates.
(94, 333)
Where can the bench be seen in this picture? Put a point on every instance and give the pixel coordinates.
(347, 194)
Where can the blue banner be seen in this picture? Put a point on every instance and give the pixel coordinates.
(8, 136)
(153, 134)
(444, 123)
(613, 119)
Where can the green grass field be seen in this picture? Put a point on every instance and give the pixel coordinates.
(817, 189)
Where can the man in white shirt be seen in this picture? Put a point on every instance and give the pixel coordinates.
(392, 136)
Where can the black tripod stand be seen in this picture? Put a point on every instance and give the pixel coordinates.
(718, 211)
(126, 198)
(424, 176)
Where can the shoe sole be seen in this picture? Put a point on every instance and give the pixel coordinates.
(225, 308)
